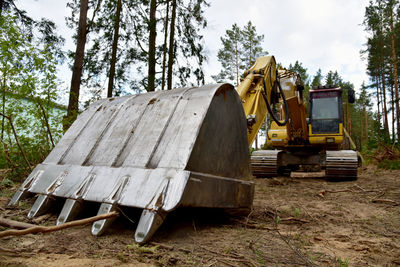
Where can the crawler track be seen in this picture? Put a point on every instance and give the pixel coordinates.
(264, 163)
(341, 165)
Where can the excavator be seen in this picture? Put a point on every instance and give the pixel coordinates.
(158, 151)
(309, 144)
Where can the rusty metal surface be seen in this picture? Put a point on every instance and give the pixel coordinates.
(154, 151)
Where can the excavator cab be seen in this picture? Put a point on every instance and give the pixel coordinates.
(326, 116)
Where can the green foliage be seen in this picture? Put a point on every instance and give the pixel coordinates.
(343, 263)
(143, 249)
(6, 183)
(317, 80)
(28, 91)
(278, 220)
(302, 71)
(388, 164)
(382, 23)
(240, 49)
(297, 212)
(133, 44)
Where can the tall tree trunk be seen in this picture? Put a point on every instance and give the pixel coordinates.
(152, 46)
(165, 46)
(396, 86)
(3, 105)
(114, 50)
(171, 51)
(1, 9)
(392, 105)
(73, 103)
(366, 123)
(237, 64)
(377, 97)
(348, 118)
(386, 124)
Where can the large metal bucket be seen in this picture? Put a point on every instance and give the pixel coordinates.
(155, 151)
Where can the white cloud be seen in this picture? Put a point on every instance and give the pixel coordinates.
(320, 34)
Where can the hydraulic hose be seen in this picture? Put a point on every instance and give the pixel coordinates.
(264, 93)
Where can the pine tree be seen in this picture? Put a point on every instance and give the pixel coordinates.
(240, 49)
(317, 80)
(251, 43)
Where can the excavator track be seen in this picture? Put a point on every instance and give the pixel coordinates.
(264, 163)
(341, 165)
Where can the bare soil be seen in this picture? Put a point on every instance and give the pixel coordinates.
(294, 222)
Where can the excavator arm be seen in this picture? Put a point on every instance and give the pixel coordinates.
(258, 91)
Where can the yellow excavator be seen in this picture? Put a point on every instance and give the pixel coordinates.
(158, 151)
(312, 144)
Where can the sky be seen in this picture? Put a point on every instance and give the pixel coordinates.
(326, 34)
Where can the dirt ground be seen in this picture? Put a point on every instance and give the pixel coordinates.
(294, 222)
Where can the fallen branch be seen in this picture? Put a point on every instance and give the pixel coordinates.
(362, 190)
(15, 224)
(293, 219)
(295, 249)
(39, 219)
(252, 226)
(389, 201)
(46, 229)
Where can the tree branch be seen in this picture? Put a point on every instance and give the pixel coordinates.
(46, 229)
(16, 138)
(90, 23)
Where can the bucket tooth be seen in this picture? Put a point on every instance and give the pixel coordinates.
(19, 195)
(70, 210)
(23, 192)
(41, 206)
(99, 227)
(149, 222)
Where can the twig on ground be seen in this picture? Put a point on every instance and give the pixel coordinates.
(248, 216)
(39, 219)
(212, 263)
(323, 192)
(44, 229)
(15, 224)
(293, 219)
(252, 226)
(295, 249)
(359, 187)
(238, 258)
(305, 210)
(382, 200)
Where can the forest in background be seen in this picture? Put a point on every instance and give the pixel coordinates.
(126, 47)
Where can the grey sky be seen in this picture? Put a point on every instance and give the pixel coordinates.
(324, 34)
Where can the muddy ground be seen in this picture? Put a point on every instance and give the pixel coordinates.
(294, 222)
